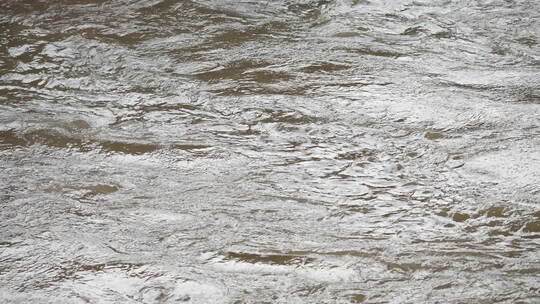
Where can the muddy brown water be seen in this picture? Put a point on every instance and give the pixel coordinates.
(218, 151)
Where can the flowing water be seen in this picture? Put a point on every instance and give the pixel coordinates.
(288, 151)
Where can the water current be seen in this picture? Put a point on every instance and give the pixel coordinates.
(220, 151)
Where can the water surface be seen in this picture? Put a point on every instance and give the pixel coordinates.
(220, 151)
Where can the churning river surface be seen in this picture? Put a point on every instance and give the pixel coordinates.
(288, 151)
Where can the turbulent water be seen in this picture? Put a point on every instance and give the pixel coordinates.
(219, 151)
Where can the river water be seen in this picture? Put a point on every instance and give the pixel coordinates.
(219, 151)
